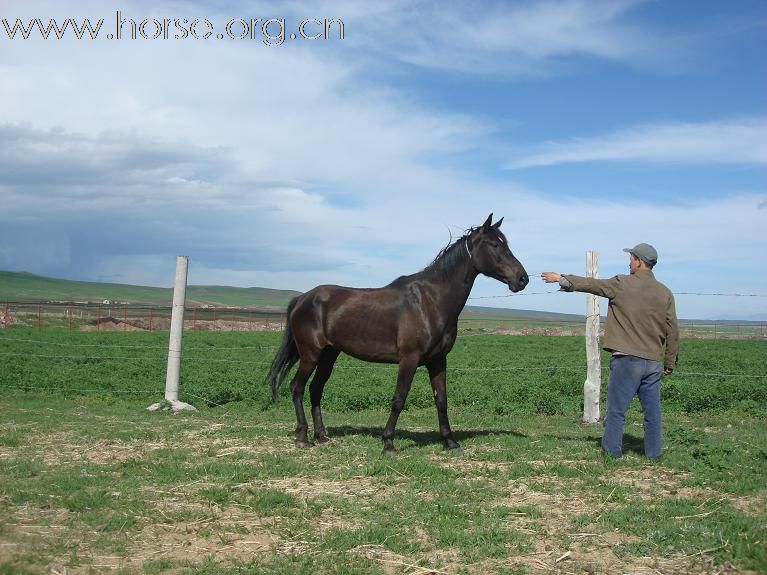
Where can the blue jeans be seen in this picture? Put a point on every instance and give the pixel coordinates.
(629, 376)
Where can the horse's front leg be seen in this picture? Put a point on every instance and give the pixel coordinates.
(438, 376)
(407, 367)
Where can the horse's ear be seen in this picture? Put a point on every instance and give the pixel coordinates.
(498, 223)
(488, 223)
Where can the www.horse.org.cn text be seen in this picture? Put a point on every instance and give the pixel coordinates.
(270, 31)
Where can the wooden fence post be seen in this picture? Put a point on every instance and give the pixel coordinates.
(593, 384)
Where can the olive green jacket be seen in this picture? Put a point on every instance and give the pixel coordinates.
(641, 315)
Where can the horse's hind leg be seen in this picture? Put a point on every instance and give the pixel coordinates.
(305, 368)
(324, 369)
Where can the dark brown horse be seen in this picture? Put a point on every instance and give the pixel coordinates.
(413, 321)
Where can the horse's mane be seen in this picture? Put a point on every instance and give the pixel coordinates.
(455, 253)
(452, 255)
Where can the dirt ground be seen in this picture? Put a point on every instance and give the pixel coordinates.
(237, 533)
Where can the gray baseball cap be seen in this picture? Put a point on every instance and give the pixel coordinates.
(644, 252)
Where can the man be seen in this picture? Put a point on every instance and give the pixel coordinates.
(641, 320)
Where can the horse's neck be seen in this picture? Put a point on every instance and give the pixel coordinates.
(454, 289)
(462, 292)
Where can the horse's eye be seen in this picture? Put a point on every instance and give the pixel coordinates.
(494, 244)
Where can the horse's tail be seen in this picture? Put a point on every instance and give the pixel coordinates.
(286, 357)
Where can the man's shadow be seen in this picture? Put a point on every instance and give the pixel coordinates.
(631, 443)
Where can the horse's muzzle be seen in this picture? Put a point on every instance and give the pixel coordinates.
(520, 283)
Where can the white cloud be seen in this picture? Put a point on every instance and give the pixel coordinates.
(505, 38)
(736, 141)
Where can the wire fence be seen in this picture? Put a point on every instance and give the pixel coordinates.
(135, 365)
(130, 317)
(76, 351)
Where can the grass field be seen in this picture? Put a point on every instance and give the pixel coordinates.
(92, 482)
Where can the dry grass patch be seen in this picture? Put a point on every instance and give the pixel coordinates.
(68, 546)
(232, 533)
(306, 487)
(54, 533)
(753, 505)
(394, 563)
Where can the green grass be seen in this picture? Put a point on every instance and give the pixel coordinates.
(90, 481)
(224, 491)
(506, 375)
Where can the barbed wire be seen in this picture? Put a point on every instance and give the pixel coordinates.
(675, 293)
(82, 357)
(56, 343)
(164, 347)
(118, 391)
(260, 347)
(512, 295)
(721, 294)
(368, 367)
(722, 327)
(251, 312)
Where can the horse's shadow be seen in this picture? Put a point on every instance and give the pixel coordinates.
(419, 438)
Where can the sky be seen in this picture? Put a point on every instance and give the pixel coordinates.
(278, 157)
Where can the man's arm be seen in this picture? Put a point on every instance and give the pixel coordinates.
(568, 282)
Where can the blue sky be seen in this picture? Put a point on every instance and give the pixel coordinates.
(587, 125)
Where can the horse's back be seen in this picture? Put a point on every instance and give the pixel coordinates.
(362, 322)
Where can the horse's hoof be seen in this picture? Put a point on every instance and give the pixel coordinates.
(390, 451)
(453, 446)
(321, 438)
(302, 444)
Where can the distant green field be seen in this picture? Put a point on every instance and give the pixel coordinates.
(24, 287)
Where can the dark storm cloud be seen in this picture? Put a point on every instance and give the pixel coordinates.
(70, 202)
(32, 158)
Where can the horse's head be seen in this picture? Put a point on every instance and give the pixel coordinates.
(492, 256)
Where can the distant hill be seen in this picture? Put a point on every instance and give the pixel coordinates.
(26, 287)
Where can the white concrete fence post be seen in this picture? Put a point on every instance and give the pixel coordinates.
(174, 345)
(592, 387)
